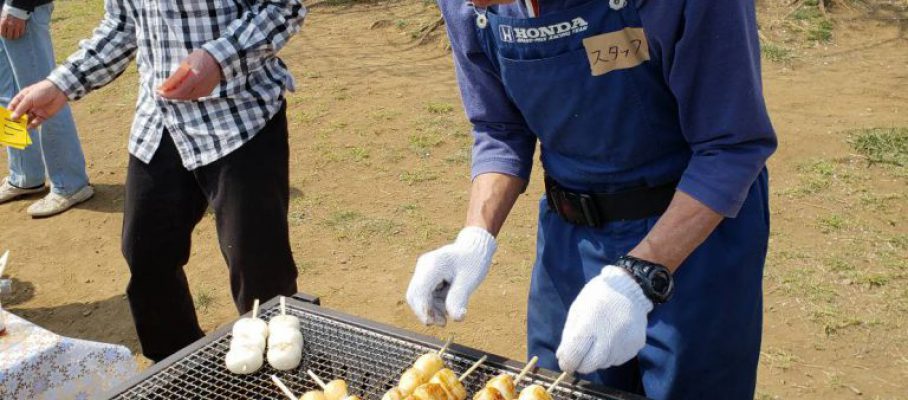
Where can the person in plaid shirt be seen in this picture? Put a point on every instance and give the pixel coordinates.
(210, 130)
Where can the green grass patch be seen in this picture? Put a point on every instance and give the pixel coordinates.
(834, 321)
(420, 176)
(460, 156)
(874, 280)
(341, 218)
(780, 358)
(296, 217)
(384, 115)
(899, 241)
(839, 265)
(831, 223)
(776, 53)
(355, 225)
(882, 145)
(358, 154)
(821, 31)
(204, 299)
(423, 142)
(439, 108)
(304, 265)
(815, 176)
(806, 14)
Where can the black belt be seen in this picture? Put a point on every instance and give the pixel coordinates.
(597, 209)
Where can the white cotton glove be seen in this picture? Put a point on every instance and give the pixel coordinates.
(445, 278)
(606, 325)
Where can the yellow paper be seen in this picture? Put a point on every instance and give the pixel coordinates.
(14, 133)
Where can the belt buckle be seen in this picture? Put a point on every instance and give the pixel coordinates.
(590, 211)
(577, 208)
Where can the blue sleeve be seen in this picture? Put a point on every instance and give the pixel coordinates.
(715, 76)
(502, 141)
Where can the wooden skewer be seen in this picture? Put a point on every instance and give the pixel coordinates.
(318, 381)
(255, 308)
(3, 260)
(557, 381)
(527, 369)
(283, 388)
(283, 305)
(444, 348)
(473, 368)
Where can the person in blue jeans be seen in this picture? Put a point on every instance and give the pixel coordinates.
(27, 57)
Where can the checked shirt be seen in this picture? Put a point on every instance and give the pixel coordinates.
(242, 35)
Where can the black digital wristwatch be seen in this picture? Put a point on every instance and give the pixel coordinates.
(655, 280)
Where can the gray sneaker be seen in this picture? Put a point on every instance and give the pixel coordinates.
(9, 192)
(53, 203)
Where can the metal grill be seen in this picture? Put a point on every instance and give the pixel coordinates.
(370, 357)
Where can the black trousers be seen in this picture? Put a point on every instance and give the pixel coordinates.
(249, 193)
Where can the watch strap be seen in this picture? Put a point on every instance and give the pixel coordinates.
(645, 272)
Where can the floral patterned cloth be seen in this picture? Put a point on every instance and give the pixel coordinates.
(38, 364)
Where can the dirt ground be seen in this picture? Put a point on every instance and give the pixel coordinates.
(380, 173)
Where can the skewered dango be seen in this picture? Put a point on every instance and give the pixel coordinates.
(285, 340)
(247, 344)
(313, 395)
(430, 391)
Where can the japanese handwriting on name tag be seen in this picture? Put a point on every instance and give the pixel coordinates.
(611, 51)
(13, 133)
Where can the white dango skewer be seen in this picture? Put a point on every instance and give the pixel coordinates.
(277, 381)
(557, 381)
(315, 394)
(248, 344)
(334, 390)
(253, 328)
(290, 322)
(285, 341)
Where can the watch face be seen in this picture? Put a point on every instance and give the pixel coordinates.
(661, 283)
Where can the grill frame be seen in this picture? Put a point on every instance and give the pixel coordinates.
(457, 355)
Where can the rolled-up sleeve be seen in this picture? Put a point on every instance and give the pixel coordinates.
(502, 142)
(715, 77)
(103, 57)
(256, 36)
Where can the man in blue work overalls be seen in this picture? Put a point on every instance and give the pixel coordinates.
(653, 233)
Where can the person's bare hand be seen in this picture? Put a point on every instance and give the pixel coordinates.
(39, 102)
(486, 3)
(12, 28)
(197, 77)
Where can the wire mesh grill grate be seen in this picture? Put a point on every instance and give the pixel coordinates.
(370, 362)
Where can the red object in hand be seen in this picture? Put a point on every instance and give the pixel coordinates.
(198, 76)
(178, 77)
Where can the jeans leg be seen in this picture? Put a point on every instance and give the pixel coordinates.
(26, 167)
(32, 59)
(249, 191)
(163, 205)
